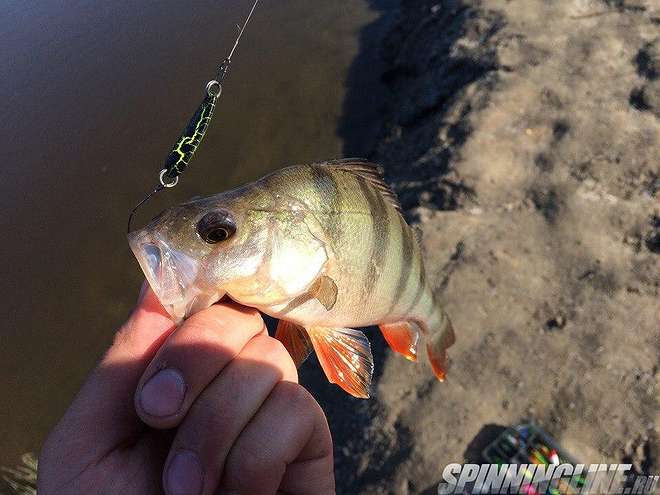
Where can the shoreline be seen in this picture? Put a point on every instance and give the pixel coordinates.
(514, 139)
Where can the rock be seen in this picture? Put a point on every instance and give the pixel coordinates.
(648, 60)
(647, 98)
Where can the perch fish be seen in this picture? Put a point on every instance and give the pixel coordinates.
(323, 247)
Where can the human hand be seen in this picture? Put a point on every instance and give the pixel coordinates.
(223, 411)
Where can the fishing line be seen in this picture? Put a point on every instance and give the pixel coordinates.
(185, 147)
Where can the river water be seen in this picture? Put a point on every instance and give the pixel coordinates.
(93, 94)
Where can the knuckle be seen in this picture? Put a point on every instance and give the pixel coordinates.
(201, 330)
(204, 322)
(270, 348)
(247, 311)
(204, 329)
(296, 396)
(212, 321)
(248, 463)
(272, 351)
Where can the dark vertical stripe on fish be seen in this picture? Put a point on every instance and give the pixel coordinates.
(327, 188)
(329, 194)
(380, 230)
(407, 261)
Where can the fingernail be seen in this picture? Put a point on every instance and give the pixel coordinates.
(184, 475)
(163, 394)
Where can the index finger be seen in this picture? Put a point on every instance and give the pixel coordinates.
(191, 358)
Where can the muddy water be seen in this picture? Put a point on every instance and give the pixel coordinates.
(92, 96)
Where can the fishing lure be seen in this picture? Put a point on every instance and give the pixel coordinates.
(179, 157)
(192, 136)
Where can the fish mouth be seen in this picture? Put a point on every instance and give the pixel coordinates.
(171, 274)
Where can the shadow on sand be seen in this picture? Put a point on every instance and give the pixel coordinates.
(422, 76)
(400, 87)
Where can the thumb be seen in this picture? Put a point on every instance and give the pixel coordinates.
(102, 414)
(143, 333)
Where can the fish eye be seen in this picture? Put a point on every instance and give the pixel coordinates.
(216, 226)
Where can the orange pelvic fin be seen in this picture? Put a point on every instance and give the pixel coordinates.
(295, 339)
(437, 349)
(402, 338)
(345, 356)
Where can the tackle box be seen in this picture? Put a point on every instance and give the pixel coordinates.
(528, 443)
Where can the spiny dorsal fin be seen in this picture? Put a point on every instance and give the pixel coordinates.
(370, 172)
(419, 234)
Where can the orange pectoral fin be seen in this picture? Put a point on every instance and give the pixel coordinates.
(437, 350)
(345, 356)
(402, 338)
(295, 339)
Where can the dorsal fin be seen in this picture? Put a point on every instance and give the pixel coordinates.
(419, 234)
(369, 171)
